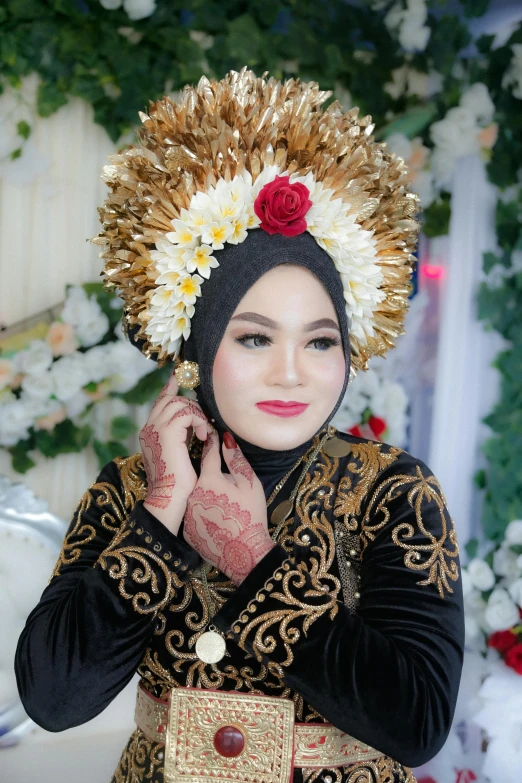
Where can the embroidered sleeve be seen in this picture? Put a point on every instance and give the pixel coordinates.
(148, 563)
(286, 600)
(407, 511)
(119, 566)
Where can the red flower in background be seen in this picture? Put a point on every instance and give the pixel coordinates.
(465, 776)
(502, 640)
(373, 430)
(514, 658)
(281, 207)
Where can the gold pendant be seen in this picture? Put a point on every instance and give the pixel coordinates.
(210, 647)
(335, 447)
(281, 511)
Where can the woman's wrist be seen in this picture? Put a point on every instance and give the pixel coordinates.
(171, 516)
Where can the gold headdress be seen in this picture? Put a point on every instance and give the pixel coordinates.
(232, 156)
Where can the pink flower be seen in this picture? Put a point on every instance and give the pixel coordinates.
(50, 421)
(488, 136)
(281, 206)
(61, 339)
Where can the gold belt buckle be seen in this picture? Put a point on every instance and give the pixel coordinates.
(218, 737)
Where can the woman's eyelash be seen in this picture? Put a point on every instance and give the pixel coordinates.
(259, 339)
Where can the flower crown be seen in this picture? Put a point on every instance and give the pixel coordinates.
(248, 153)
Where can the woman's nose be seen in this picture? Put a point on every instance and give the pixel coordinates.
(286, 368)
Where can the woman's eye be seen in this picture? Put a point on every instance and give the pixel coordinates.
(324, 343)
(254, 340)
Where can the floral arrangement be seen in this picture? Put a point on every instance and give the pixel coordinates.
(374, 407)
(51, 383)
(277, 203)
(493, 597)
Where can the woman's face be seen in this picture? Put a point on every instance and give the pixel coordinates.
(280, 367)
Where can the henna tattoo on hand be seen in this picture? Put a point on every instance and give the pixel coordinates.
(238, 544)
(240, 464)
(159, 484)
(189, 407)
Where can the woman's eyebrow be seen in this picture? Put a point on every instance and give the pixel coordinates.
(263, 320)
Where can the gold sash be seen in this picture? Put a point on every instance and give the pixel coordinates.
(268, 744)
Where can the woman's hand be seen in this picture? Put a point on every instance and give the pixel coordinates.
(226, 520)
(163, 440)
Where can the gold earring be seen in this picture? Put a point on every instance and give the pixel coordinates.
(187, 375)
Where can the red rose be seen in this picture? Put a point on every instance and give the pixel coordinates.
(377, 426)
(355, 430)
(281, 207)
(429, 779)
(514, 658)
(502, 641)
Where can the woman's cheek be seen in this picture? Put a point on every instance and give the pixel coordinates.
(233, 375)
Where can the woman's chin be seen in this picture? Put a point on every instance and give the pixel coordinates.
(280, 435)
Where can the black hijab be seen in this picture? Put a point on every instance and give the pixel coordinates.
(240, 266)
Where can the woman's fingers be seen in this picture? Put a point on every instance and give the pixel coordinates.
(210, 458)
(169, 390)
(239, 467)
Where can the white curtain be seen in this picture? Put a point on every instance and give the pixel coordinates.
(466, 386)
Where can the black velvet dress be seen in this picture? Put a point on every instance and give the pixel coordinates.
(356, 615)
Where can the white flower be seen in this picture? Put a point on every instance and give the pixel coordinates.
(35, 359)
(216, 233)
(15, 420)
(513, 533)
(183, 235)
(477, 100)
(96, 362)
(110, 5)
(513, 76)
(501, 613)
(481, 575)
(76, 405)
(204, 40)
(69, 374)
(501, 719)
(127, 366)
(139, 9)
(456, 135)
(202, 261)
(409, 24)
(457, 130)
(515, 591)
(505, 563)
(38, 386)
(85, 316)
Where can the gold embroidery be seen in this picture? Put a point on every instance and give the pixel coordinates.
(140, 761)
(421, 492)
(366, 461)
(108, 497)
(301, 592)
(141, 574)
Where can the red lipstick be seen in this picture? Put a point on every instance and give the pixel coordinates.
(280, 408)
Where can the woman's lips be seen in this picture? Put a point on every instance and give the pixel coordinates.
(280, 408)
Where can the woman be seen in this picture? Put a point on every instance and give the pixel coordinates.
(289, 595)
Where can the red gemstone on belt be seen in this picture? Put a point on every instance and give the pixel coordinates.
(229, 741)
